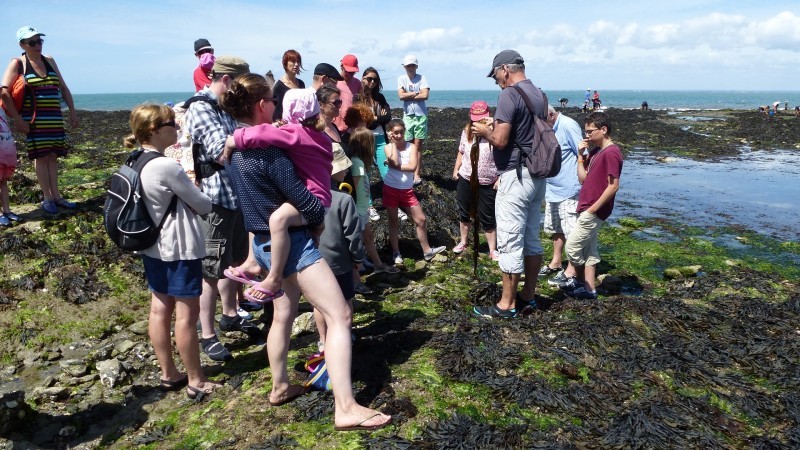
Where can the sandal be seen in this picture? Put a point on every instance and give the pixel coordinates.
(167, 385)
(62, 202)
(234, 273)
(197, 394)
(270, 296)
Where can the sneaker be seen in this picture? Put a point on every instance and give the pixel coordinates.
(581, 293)
(494, 256)
(363, 289)
(547, 270)
(402, 215)
(13, 217)
(62, 202)
(373, 214)
(570, 284)
(236, 323)
(250, 306)
(559, 279)
(398, 258)
(5, 221)
(434, 251)
(50, 207)
(491, 312)
(458, 249)
(244, 314)
(215, 350)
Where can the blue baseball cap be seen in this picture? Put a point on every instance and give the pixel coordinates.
(27, 32)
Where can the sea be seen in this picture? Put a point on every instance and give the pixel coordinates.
(628, 99)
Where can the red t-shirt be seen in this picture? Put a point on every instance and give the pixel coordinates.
(600, 164)
(201, 79)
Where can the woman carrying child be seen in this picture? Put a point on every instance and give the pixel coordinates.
(398, 191)
(487, 179)
(173, 265)
(264, 179)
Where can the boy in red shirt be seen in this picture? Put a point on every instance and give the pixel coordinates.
(599, 176)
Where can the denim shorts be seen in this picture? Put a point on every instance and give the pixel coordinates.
(182, 279)
(302, 252)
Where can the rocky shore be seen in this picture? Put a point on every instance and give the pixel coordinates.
(690, 346)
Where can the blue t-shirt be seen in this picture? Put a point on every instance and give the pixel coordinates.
(565, 185)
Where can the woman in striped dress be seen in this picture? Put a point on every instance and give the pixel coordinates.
(40, 116)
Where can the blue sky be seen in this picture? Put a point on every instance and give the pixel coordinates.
(146, 46)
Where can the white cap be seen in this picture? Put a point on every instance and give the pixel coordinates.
(410, 59)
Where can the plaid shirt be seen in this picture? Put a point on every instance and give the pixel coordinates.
(210, 128)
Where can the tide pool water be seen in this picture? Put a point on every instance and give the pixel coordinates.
(676, 100)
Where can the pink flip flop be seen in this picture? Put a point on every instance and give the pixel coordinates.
(237, 275)
(270, 296)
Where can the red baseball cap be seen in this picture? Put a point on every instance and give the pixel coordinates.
(350, 63)
(478, 110)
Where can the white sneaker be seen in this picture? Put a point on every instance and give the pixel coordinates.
(373, 214)
(434, 251)
(244, 314)
(402, 215)
(398, 258)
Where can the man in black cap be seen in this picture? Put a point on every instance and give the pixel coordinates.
(202, 74)
(325, 75)
(519, 196)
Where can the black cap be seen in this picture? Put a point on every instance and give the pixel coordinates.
(202, 44)
(329, 71)
(505, 57)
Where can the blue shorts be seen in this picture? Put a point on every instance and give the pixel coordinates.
(176, 278)
(347, 285)
(302, 252)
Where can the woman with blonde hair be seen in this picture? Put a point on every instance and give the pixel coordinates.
(263, 179)
(173, 265)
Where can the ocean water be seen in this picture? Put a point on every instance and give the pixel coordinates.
(665, 100)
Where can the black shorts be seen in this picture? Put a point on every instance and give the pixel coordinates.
(486, 196)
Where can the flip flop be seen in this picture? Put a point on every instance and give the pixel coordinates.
(298, 391)
(196, 394)
(237, 275)
(167, 385)
(387, 269)
(359, 425)
(270, 296)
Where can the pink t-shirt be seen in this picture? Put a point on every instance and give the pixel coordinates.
(348, 89)
(487, 171)
(310, 150)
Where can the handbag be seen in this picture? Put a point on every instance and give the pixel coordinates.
(19, 89)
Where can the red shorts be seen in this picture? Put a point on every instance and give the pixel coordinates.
(399, 198)
(6, 172)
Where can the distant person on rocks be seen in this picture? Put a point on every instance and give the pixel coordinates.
(775, 106)
(264, 179)
(596, 101)
(797, 110)
(41, 117)
(563, 102)
(205, 55)
(349, 88)
(398, 191)
(561, 198)
(519, 196)
(226, 239)
(587, 98)
(173, 265)
(325, 75)
(487, 182)
(645, 106)
(413, 90)
(292, 65)
(599, 174)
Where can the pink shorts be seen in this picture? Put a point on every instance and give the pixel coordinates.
(399, 198)
(6, 172)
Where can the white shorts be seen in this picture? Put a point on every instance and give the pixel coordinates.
(518, 212)
(560, 217)
(581, 244)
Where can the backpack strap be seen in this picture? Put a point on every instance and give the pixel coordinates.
(532, 110)
(202, 169)
(137, 160)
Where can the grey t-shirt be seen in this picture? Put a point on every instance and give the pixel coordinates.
(511, 108)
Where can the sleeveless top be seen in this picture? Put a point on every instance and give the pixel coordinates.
(399, 179)
(47, 134)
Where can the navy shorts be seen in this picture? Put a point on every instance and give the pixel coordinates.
(347, 285)
(302, 253)
(176, 278)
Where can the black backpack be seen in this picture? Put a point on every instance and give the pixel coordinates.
(544, 159)
(202, 169)
(125, 215)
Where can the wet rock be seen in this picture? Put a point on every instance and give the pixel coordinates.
(81, 380)
(111, 371)
(304, 324)
(421, 264)
(681, 272)
(123, 347)
(609, 284)
(139, 328)
(15, 414)
(101, 353)
(49, 394)
(74, 367)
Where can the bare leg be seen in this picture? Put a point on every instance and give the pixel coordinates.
(418, 143)
(558, 249)
(208, 307)
(161, 307)
(421, 223)
(508, 298)
(52, 174)
(285, 310)
(532, 266)
(463, 228)
(186, 312)
(394, 231)
(43, 176)
(322, 327)
(5, 202)
(369, 242)
(279, 222)
(491, 239)
(589, 273)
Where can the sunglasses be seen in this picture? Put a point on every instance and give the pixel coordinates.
(272, 99)
(370, 79)
(337, 102)
(171, 123)
(34, 42)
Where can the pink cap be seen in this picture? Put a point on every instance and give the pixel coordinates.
(478, 110)
(350, 63)
(207, 61)
(299, 105)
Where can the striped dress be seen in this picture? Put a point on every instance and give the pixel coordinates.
(47, 134)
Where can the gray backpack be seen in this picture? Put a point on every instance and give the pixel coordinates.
(544, 159)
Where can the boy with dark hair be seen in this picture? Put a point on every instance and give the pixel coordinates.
(599, 173)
